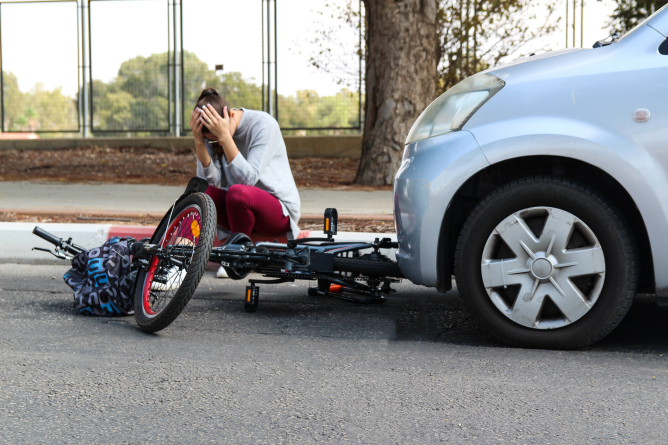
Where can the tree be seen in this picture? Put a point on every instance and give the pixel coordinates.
(137, 99)
(629, 13)
(401, 79)
(50, 110)
(37, 109)
(477, 34)
(13, 102)
(307, 109)
(469, 36)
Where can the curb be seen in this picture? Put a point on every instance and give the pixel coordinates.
(18, 239)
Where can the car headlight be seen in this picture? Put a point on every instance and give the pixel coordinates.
(450, 111)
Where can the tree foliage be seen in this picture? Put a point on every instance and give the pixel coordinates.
(307, 109)
(137, 100)
(629, 13)
(474, 35)
(335, 54)
(478, 34)
(38, 109)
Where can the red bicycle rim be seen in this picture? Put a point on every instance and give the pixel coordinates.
(186, 224)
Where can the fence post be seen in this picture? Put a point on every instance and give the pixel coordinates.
(176, 63)
(2, 85)
(84, 92)
(270, 102)
(170, 71)
(269, 78)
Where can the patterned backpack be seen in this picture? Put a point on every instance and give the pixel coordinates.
(102, 281)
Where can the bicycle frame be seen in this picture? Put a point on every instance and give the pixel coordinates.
(312, 259)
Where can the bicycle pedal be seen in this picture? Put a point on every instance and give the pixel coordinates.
(252, 298)
(331, 222)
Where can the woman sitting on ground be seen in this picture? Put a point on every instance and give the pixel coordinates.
(241, 153)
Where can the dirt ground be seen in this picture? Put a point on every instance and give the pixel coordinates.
(153, 166)
(304, 224)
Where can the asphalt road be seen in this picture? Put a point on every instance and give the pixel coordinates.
(314, 370)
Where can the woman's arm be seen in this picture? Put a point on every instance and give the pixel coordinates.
(205, 168)
(246, 171)
(201, 152)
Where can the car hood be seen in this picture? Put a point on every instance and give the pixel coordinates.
(528, 59)
(579, 61)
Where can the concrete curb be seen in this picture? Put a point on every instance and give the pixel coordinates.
(17, 239)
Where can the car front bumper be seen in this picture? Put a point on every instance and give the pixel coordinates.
(430, 175)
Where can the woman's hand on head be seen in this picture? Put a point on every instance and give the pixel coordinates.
(196, 125)
(217, 125)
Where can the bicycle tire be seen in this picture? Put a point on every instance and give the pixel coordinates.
(232, 272)
(371, 268)
(154, 322)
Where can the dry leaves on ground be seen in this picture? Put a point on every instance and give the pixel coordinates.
(152, 166)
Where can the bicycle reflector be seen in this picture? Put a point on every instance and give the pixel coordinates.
(331, 220)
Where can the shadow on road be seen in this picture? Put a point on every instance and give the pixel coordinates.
(414, 313)
(644, 329)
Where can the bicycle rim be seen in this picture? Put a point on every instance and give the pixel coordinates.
(184, 230)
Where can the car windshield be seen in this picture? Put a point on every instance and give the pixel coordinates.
(637, 27)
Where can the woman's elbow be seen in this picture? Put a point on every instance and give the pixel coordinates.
(252, 179)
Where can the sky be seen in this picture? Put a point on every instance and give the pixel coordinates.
(39, 40)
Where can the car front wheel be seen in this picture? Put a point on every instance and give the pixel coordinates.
(546, 262)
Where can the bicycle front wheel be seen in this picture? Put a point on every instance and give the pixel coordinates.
(164, 288)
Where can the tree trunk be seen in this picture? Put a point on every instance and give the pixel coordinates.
(401, 80)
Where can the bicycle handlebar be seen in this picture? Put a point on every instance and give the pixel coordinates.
(58, 242)
(47, 236)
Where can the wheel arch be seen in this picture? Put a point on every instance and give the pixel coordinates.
(485, 181)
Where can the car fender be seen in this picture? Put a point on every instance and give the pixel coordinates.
(423, 189)
(641, 175)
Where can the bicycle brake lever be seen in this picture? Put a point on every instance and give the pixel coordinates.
(57, 254)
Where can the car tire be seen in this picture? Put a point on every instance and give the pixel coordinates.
(546, 262)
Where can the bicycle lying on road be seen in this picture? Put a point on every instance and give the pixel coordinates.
(171, 263)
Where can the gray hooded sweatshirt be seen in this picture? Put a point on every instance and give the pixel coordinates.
(263, 163)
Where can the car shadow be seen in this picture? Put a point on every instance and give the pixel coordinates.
(412, 315)
(643, 330)
(429, 317)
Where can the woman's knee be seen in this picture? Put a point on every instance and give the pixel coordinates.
(239, 196)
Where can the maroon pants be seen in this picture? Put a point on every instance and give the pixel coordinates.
(244, 208)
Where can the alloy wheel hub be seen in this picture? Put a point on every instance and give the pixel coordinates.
(543, 271)
(542, 268)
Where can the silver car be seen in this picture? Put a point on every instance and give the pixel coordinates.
(542, 186)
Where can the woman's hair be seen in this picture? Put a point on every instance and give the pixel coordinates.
(212, 97)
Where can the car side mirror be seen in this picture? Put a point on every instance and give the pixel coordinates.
(663, 48)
